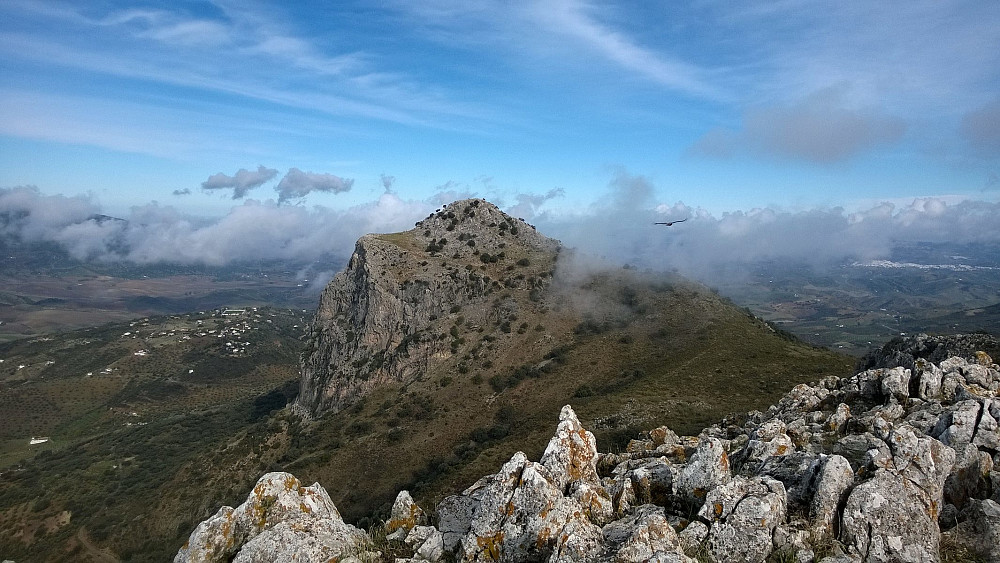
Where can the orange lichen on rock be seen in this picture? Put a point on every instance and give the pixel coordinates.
(491, 545)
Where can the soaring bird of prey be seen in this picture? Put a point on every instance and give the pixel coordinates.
(669, 223)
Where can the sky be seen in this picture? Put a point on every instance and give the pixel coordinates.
(224, 123)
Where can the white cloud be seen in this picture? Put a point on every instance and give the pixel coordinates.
(154, 233)
(620, 229)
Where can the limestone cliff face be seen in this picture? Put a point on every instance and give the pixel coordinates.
(381, 318)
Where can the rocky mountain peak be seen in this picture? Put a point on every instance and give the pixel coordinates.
(485, 224)
(385, 317)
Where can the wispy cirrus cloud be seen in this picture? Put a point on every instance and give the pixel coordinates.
(265, 61)
(577, 20)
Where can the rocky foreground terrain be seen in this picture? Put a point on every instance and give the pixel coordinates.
(895, 463)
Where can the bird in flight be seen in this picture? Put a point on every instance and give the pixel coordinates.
(669, 223)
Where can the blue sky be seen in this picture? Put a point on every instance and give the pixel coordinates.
(717, 107)
(724, 106)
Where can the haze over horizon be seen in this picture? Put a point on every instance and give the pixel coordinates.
(226, 131)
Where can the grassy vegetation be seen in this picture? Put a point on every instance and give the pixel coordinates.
(127, 440)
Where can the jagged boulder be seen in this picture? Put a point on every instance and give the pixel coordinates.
(281, 520)
(405, 516)
(522, 515)
(886, 519)
(707, 469)
(743, 514)
(426, 542)
(571, 455)
(957, 426)
(643, 536)
(833, 481)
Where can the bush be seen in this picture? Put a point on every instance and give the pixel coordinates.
(499, 382)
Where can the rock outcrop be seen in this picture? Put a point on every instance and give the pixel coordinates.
(280, 521)
(375, 319)
(887, 465)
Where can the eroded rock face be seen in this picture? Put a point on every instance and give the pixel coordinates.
(859, 469)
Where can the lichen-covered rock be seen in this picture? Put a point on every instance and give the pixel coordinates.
(707, 469)
(743, 514)
(896, 384)
(455, 518)
(427, 543)
(798, 472)
(956, 427)
(571, 455)
(969, 478)
(642, 535)
(987, 433)
(594, 500)
(577, 542)
(834, 479)
(839, 418)
(792, 486)
(652, 482)
(522, 515)
(923, 462)
(663, 436)
(929, 380)
(693, 536)
(280, 517)
(886, 519)
(405, 515)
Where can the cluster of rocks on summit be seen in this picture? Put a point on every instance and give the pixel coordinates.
(896, 463)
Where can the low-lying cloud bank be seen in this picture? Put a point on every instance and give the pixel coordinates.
(152, 233)
(620, 229)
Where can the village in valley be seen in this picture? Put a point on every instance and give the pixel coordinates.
(65, 386)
